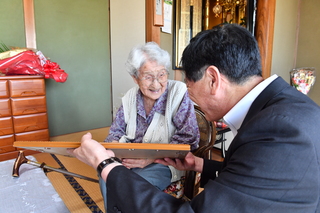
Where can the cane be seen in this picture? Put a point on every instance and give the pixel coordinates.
(21, 159)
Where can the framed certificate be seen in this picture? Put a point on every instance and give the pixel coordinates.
(121, 150)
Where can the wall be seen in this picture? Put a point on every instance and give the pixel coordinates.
(123, 37)
(284, 42)
(167, 44)
(309, 45)
(127, 28)
(296, 39)
(75, 34)
(12, 23)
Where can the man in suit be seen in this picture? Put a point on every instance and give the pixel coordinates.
(272, 164)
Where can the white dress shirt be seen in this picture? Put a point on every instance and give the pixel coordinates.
(236, 115)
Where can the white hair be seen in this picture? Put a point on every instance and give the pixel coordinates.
(140, 54)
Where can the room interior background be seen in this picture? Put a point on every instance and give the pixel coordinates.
(90, 40)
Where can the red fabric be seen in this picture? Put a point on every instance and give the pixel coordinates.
(28, 63)
(52, 70)
(24, 63)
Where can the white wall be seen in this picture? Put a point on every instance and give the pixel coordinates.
(309, 45)
(296, 39)
(127, 29)
(285, 35)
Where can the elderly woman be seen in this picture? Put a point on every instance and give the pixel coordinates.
(157, 111)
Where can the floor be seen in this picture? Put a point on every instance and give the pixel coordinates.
(97, 134)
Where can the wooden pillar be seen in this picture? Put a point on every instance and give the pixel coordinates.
(29, 24)
(152, 31)
(264, 33)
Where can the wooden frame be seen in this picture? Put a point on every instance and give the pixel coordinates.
(152, 31)
(121, 150)
(158, 13)
(264, 33)
(186, 25)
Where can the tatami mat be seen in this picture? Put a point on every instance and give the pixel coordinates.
(79, 195)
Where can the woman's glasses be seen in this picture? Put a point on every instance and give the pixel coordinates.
(161, 77)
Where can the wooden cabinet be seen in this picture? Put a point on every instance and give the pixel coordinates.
(23, 113)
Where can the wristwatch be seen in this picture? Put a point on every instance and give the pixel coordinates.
(106, 162)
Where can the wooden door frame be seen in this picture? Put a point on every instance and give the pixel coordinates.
(29, 24)
(152, 31)
(263, 32)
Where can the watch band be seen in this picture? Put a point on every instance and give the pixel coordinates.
(106, 162)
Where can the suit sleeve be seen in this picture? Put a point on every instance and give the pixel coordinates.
(209, 171)
(128, 192)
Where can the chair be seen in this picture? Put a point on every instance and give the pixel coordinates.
(189, 185)
(207, 140)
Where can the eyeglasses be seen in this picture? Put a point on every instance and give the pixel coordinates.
(161, 77)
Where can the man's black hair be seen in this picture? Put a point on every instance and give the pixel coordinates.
(229, 47)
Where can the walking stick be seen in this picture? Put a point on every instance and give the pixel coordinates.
(21, 159)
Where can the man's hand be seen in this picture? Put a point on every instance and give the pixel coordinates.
(136, 163)
(190, 162)
(91, 152)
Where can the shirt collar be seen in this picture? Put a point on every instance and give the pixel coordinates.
(236, 115)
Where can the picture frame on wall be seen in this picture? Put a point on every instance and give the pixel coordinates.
(167, 17)
(158, 13)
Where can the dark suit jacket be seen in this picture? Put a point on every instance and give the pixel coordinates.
(272, 165)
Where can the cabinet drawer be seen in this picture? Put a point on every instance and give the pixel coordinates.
(6, 126)
(6, 140)
(4, 90)
(27, 87)
(14, 154)
(5, 108)
(26, 123)
(8, 155)
(4, 149)
(24, 106)
(39, 135)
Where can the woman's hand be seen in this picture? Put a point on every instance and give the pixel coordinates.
(190, 162)
(136, 163)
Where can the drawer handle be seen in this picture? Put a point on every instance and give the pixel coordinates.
(33, 127)
(26, 93)
(26, 111)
